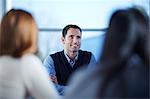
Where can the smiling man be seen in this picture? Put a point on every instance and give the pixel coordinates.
(61, 65)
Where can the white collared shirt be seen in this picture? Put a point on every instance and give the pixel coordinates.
(71, 62)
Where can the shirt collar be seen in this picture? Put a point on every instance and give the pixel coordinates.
(68, 59)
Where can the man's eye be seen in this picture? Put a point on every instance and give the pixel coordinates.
(78, 37)
(71, 36)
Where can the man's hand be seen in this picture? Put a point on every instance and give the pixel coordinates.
(53, 78)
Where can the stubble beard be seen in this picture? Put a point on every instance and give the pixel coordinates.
(73, 50)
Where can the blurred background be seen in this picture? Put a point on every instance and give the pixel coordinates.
(53, 15)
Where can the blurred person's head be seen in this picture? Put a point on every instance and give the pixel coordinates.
(18, 33)
(126, 35)
(71, 39)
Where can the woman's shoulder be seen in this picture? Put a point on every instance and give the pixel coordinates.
(31, 58)
(31, 62)
(83, 83)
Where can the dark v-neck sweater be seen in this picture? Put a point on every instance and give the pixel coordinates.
(63, 68)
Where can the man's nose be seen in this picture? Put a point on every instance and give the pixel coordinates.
(75, 40)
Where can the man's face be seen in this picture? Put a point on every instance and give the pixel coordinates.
(72, 40)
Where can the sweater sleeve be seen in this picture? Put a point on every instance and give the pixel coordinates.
(49, 65)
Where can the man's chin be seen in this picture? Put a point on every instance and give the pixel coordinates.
(75, 51)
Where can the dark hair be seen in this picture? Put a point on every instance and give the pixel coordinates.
(18, 33)
(126, 36)
(66, 28)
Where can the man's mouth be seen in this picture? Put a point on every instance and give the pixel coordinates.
(75, 45)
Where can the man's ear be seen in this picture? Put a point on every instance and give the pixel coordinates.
(63, 40)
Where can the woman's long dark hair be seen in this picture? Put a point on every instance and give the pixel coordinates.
(126, 36)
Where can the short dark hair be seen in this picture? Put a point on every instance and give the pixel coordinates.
(66, 28)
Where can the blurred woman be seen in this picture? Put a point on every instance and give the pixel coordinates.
(123, 70)
(127, 58)
(21, 72)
